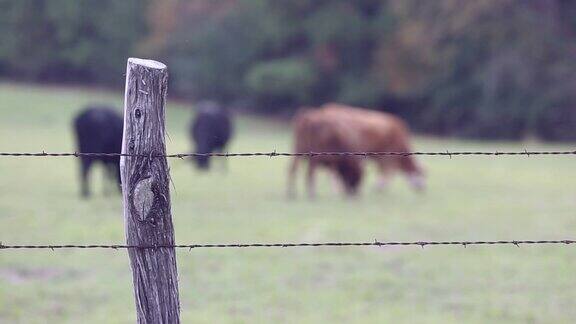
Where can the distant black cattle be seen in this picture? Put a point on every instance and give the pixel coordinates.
(99, 130)
(210, 130)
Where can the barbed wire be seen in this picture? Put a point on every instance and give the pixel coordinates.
(374, 243)
(271, 154)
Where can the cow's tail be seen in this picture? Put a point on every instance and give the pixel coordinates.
(293, 169)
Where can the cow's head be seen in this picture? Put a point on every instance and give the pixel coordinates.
(202, 162)
(417, 179)
(350, 171)
(414, 173)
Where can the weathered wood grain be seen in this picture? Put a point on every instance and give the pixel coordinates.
(145, 190)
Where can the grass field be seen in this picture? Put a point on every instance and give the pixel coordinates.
(467, 199)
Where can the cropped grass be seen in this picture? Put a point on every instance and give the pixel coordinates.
(243, 200)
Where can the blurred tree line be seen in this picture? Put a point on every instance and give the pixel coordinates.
(69, 41)
(483, 68)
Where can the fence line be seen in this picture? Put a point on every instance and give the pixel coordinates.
(271, 154)
(375, 243)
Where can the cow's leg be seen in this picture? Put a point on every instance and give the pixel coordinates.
(338, 185)
(291, 184)
(385, 173)
(117, 178)
(85, 164)
(105, 180)
(109, 179)
(224, 163)
(310, 179)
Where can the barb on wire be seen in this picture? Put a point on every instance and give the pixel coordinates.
(272, 154)
(375, 243)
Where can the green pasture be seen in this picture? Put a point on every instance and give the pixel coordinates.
(468, 198)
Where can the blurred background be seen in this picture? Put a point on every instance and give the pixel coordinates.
(449, 67)
(459, 72)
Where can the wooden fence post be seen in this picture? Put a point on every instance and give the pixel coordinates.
(145, 191)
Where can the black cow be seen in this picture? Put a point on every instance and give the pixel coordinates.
(210, 130)
(99, 130)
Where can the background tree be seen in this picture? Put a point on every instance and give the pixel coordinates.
(484, 69)
(60, 40)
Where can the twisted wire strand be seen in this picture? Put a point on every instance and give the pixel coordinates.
(446, 153)
(375, 243)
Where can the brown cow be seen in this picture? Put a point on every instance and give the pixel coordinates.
(318, 131)
(380, 132)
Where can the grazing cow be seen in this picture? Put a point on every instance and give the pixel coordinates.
(381, 132)
(210, 130)
(318, 131)
(99, 130)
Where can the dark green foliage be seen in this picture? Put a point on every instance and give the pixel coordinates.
(61, 40)
(278, 54)
(211, 57)
(495, 69)
(287, 82)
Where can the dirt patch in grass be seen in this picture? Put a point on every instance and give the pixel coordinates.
(25, 275)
